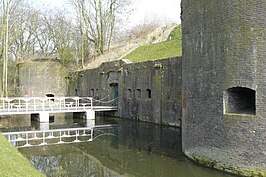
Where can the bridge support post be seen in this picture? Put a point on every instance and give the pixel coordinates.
(90, 123)
(44, 126)
(44, 117)
(90, 115)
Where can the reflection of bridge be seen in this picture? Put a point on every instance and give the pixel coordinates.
(52, 137)
(45, 105)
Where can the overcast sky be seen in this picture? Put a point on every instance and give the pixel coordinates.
(165, 10)
(168, 10)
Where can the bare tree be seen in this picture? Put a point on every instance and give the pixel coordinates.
(97, 20)
(23, 24)
(63, 34)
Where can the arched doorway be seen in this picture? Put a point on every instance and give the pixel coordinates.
(114, 93)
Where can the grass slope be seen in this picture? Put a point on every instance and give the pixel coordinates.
(170, 48)
(12, 163)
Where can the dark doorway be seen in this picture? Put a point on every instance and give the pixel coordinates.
(50, 95)
(114, 93)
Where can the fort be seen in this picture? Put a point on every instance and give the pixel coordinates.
(215, 92)
(223, 81)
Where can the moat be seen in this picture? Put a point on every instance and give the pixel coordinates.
(127, 148)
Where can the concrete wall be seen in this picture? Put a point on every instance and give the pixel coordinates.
(97, 82)
(40, 77)
(151, 91)
(147, 91)
(224, 68)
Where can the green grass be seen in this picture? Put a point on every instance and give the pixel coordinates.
(176, 33)
(170, 48)
(12, 163)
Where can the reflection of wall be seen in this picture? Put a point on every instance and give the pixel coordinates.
(224, 59)
(133, 150)
(58, 161)
(58, 118)
(148, 91)
(40, 77)
(14, 121)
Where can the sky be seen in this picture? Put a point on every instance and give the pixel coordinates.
(167, 11)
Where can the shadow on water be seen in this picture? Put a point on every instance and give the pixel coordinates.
(128, 149)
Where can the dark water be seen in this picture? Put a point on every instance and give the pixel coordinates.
(127, 149)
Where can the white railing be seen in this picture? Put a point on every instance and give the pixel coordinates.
(53, 137)
(49, 137)
(56, 104)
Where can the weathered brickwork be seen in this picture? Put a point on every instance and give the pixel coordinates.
(98, 83)
(147, 91)
(224, 63)
(155, 91)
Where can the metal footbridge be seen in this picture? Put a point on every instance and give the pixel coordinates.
(45, 105)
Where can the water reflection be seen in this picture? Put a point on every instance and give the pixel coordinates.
(128, 149)
(18, 123)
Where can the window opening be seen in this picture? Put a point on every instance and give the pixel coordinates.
(138, 93)
(240, 100)
(148, 93)
(50, 95)
(92, 92)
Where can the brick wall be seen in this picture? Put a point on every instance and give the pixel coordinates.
(224, 48)
(148, 91)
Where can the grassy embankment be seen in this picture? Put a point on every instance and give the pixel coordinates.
(167, 49)
(12, 163)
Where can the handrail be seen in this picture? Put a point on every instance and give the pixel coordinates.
(52, 137)
(37, 104)
(46, 131)
(58, 130)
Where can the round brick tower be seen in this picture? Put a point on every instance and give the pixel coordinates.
(224, 84)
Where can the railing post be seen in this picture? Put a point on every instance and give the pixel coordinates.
(34, 102)
(76, 103)
(19, 103)
(8, 105)
(27, 105)
(3, 103)
(43, 104)
(60, 106)
(91, 104)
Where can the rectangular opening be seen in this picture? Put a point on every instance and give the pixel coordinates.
(92, 92)
(138, 93)
(148, 92)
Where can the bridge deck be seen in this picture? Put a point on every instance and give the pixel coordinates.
(31, 105)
